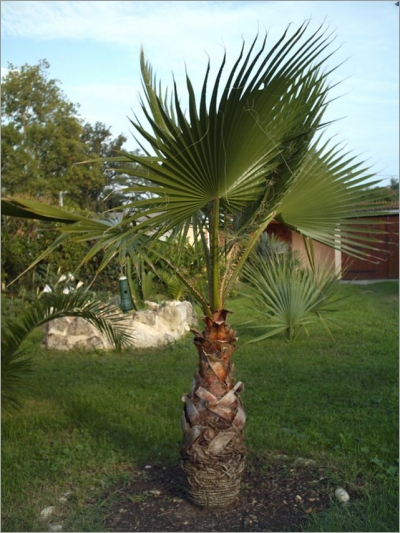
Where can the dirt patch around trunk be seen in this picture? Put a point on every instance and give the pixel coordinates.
(276, 495)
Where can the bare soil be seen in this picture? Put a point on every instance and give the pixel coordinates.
(276, 495)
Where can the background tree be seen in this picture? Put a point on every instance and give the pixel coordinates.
(43, 138)
(100, 144)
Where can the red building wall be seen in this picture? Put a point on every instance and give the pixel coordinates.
(388, 253)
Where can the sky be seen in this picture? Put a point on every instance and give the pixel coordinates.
(93, 48)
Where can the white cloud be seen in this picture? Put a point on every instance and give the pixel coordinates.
(172, 32)
(178, 31)
(183, 27)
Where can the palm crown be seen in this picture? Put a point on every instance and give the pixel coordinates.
(241, 156)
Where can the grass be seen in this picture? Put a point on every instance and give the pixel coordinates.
(92, 416)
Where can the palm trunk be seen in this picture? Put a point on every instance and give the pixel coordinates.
(213, 451)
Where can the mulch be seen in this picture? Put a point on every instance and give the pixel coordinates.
(276, 495)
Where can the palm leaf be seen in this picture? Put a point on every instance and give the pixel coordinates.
(24, 208)
(345, 199)
(16, 363)
(15, 368)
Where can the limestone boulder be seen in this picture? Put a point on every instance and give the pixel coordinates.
(154, 327)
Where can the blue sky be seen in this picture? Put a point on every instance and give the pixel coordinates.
(93, 49)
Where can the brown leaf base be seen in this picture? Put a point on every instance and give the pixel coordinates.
(215, 484)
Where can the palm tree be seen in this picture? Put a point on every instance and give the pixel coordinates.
(248, 152)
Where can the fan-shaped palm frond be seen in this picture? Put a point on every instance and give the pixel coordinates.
(16, 362)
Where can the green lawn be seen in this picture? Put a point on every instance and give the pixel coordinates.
(335, 401)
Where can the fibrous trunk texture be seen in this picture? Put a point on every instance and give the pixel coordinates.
(213, 450)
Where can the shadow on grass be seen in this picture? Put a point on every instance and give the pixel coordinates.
(140, 442)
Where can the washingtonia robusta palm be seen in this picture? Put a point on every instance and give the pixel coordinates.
(248, 151)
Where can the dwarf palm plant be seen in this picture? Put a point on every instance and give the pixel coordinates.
(16, 362)
(287, 296)
(249, 150)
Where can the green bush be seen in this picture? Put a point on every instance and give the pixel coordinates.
(23, 240)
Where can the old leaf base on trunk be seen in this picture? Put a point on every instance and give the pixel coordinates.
(213, 450)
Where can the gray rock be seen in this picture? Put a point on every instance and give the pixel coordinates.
(342, 495)
(90, 343)
(47, 512)
(153, 327)
(57, 341)
(59, 324)
(80, 327)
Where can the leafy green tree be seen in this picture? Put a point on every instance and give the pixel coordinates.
(43, 138)
(22, 241)
(101, 144)
(248, 152)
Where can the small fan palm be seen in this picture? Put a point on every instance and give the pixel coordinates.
(287, 296)
(246, 152)
(15, 360)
